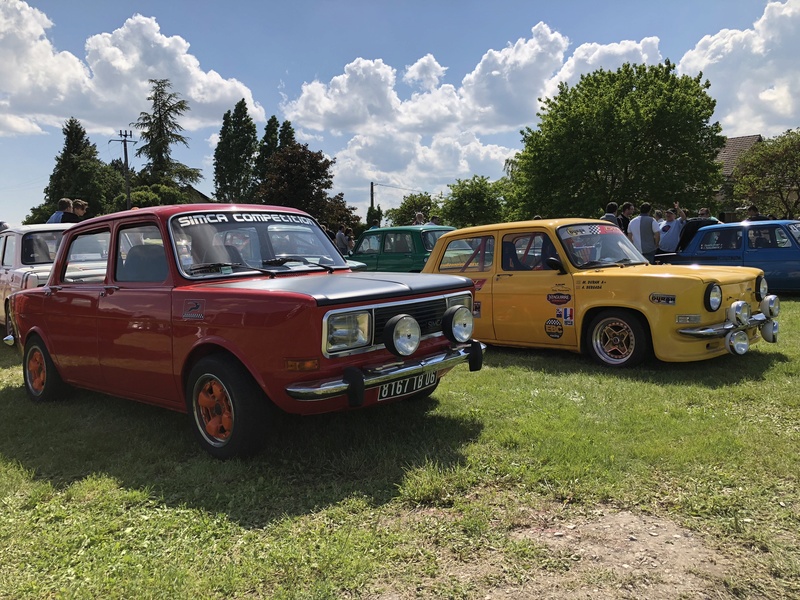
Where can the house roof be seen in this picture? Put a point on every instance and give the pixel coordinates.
(733, 149)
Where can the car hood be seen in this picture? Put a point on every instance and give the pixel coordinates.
(351, 287)
(704, 273)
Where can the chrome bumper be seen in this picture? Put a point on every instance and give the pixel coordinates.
(355, 381)
(720, 330)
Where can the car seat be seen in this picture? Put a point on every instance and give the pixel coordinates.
(511, 261)
(145, 262)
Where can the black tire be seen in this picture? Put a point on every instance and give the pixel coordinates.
(42, 381)
(617, 338)
(228, 411)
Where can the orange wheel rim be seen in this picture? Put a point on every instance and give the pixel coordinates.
(37, 373)
(215, 410)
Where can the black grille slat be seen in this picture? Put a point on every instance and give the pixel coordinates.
(428, 314)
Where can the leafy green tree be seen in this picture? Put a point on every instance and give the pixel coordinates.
(235, 155)
(160, 130)
(374, 214)
(475, 201)
(635, 134)
(768, 174)
(410, 206)
(78, 173)
(300, 178)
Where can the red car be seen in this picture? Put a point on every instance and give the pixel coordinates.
(228, 311)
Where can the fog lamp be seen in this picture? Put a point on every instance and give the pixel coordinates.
(738, 342)
(770, 306)
(402, 334)
(739, 312)
(769, 331)
(457, 324)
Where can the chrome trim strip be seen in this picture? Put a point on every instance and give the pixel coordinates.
(720, 330)
(375, 376)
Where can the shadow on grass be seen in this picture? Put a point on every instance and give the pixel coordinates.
(720, 371)
(309, 463)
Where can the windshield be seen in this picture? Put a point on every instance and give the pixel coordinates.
(210, 244)
(591, 245)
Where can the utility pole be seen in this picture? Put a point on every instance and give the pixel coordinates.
(125, 135)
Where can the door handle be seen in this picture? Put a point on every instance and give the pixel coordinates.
(107, 289)
(499, 275)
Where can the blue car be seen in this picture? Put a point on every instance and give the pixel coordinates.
(772, 246)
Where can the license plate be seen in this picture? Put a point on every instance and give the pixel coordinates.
(409, 385)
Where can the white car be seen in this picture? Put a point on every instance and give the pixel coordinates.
(26, 257)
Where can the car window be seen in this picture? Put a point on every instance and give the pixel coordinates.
(721, 239)
(140, 255)
(526, 251)
(3, 245)
(87, 256)
(8, 250)
(591, 245)
(398, 242)
(761, 237)
(370, 244)
(39, 248)
(781, 239)
(795, 231)
(468, 255)
(429, 238)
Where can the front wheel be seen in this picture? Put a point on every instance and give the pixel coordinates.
(229, 411)
(617, 338)
(42, 381)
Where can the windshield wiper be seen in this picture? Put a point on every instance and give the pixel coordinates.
(211, 267)
(599, 263)
(280, 261)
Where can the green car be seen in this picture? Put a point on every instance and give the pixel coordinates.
(403, 249)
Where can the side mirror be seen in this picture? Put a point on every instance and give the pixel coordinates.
(555, 263)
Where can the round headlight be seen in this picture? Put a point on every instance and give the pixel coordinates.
(762, 289)
(457, 324)
(739, 312)
(713, 297)
(738, 342)
(770, 306)
(401, 335)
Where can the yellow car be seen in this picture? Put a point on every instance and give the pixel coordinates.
(581, 285)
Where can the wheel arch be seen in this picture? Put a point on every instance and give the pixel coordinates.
(590, 314)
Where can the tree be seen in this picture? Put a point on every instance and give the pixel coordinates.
(768, 174)
(300, 178)
(234, 156)
(160, 130)
(641, 133)
(286, 135)
(410, 206)
(266, 148)
(475, 201)
(78, 173)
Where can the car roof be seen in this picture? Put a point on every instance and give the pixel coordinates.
(39, 227)
(751, 223)
(542, 223)
(411, 228)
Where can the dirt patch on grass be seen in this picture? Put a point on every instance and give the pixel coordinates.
(621, 554)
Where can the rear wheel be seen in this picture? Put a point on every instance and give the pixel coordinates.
(42, 381)
(229, 411)
(617, 338)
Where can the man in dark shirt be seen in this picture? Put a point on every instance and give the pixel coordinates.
(624, 216)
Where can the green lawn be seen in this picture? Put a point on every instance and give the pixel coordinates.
(105, 498)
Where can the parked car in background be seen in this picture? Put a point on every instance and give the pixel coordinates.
(772, 246)
(227, 312)
(401, 249)
(26, 257)
(581, 285)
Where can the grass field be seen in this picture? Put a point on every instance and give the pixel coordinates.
(106, 498)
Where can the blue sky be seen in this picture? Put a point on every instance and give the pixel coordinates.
(410, 94)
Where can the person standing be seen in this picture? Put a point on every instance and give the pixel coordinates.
(611, 213)
(671, 228)
(64, 206)
(419, 220)
(624, 216)
(643, 232)
(341, 241)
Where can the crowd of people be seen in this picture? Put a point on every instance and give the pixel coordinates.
(660, 232)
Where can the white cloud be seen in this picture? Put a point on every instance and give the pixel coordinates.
(43, 87)
(426, 73)
(753, 73)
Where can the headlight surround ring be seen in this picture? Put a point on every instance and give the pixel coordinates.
(762, 289)
(712, 299)
(458, 324)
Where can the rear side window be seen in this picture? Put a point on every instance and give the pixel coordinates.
(7, 249)
(722, 239)
(468, 255)
(398, 243)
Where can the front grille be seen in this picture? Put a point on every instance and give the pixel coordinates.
(428, 314)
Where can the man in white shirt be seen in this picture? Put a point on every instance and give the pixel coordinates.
(643, 232)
